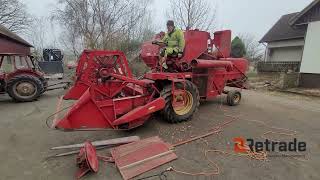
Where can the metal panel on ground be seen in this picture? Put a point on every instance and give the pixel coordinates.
(138, 157)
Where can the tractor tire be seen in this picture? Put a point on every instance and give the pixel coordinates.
(44, 84)
(173, 116)
(233, 98)
(24, 88)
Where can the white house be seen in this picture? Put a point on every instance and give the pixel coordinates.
(295, 39)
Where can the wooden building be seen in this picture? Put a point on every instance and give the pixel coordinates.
(12, 43)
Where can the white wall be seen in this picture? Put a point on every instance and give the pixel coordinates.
(287, 43)
(311, 54)
(293, 53)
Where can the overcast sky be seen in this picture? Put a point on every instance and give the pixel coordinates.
(241, 16)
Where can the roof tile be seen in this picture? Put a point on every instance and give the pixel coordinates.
(283, 31)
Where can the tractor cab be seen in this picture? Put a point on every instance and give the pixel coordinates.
(11, 64)
(15, 62)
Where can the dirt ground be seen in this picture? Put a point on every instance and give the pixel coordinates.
(25, 139)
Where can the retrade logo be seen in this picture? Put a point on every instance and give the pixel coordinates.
(242, 145)
(239, 145)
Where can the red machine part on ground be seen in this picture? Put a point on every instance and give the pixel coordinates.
(87, 160)
(109, 97)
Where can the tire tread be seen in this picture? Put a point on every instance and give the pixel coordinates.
(14, 80)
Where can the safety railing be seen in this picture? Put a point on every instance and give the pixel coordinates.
(279, 66)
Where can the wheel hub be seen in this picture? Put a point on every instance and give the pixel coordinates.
(182, 102)
(236, 98)
(25, 89)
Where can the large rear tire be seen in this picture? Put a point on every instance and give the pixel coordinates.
(184, 113)
(24, 88)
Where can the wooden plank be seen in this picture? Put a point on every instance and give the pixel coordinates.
(108, 142)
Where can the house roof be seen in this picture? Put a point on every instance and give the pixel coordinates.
(295, 18)
(283, 31)
(9, 34)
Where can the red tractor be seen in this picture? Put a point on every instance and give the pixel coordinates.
(21, 78)
(110, 97)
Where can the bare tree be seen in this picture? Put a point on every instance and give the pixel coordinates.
(254, 50)
(14, 16)
(192, 14)
(71, 43)
(36, 33)
(41, 34)
(100, 24)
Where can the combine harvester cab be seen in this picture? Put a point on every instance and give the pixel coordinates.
(108, 96)
(205, 62)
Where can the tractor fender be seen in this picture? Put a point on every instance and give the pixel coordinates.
(24, 72)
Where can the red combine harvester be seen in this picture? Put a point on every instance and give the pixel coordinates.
(108, 96)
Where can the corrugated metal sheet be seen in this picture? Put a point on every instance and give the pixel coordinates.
(13, 36)
(8, 46)
(136, 158)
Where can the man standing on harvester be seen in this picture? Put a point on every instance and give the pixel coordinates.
(174, 44)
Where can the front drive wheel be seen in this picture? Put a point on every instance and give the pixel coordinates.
(181, 106)
(24, 88)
